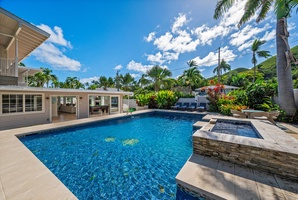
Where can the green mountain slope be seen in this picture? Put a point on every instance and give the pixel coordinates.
(268, 67)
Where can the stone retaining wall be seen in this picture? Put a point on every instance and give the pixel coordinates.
(277, 162)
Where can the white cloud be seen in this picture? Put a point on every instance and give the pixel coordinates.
(157, 58)
(139, 67)
(88, 80)
(269, 35)
(53, 51)
(206, 34)
(180, 44)
(212, 58)
(244, 38)
(50, 54)
(56, 35)
(150, 37)
(118, 67)
(135, 75)
(179, 22)
(291, 26)
(170, 56)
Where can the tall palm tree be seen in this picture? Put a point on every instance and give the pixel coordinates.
(257, 52)
(284, 56)
(73, 83)
(103, 82)
(158, 76)
(222, 66)
(191, 77)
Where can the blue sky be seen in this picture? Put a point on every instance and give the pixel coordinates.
(94, 38)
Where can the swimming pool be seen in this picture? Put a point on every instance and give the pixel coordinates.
(135, 157)
(239, 128)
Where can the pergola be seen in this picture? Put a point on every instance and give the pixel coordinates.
(19, 38)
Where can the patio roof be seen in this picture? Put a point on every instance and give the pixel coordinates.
(29, 36)
(31, 71)
(60, 90)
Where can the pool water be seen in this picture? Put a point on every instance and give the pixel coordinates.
(135, 157)
(235, 128)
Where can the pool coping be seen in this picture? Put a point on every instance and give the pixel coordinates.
(24, 176)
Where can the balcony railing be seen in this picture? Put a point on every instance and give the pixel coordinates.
(7, 67)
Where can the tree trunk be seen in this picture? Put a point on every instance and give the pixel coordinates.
(284, 71)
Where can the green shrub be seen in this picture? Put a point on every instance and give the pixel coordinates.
(143, 99)
(165, 99)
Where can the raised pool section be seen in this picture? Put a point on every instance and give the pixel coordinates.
(233, 127)
(132, 157)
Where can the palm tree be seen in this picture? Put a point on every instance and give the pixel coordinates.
(143, 81)
(192, 63)
(103, 82)
(73, 83)
(257, 52)
(223, 66)
(191, 77)
(284, 56)
(48, 76)
(158, 76)
(126, 81)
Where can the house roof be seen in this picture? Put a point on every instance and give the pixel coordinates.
(60, 90)
(29, 36)
(228, 87)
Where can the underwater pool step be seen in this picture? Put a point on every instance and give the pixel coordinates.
(216, 179)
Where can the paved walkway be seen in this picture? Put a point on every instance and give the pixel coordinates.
(223, 180)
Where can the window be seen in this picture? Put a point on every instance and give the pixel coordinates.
(20, 103)
(33, 102)
(12, 103)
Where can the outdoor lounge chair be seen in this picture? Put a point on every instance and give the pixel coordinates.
(177, 106)
(260, 115)
(184, 106)
(238, 114)
(192, 107)
(202, 107)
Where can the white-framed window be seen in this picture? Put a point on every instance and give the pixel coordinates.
(21, 103)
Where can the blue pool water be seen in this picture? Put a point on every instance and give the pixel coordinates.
(136, 157)
(235, 128)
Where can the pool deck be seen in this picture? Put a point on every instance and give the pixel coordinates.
(216, 179)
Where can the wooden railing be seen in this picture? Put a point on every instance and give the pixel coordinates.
(7, 67)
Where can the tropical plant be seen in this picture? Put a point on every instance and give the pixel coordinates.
(159, 76)
(73, 83)
(257, 52)
(191, 77)
(165, 99)
(143, 99)
(283, 10)
(192, 63)
(126, 81)
(223, 66)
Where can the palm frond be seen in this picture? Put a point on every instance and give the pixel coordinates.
(265, 7)
(221, 7)
(264, 54)
(250, 9)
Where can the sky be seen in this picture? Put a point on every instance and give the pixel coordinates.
(94, 38)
